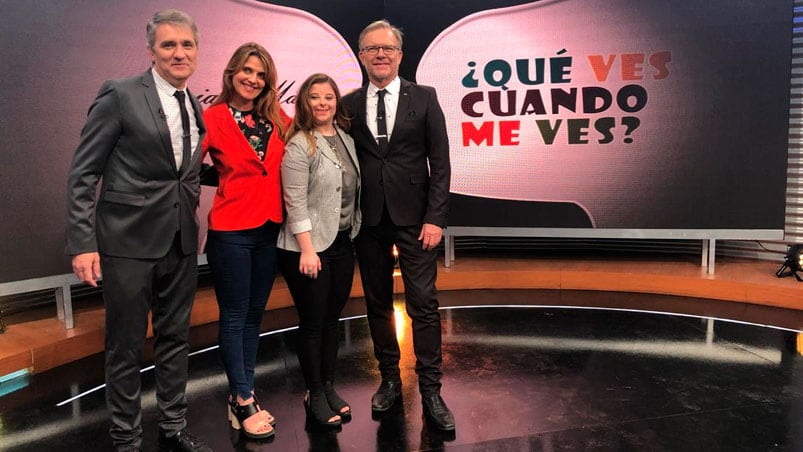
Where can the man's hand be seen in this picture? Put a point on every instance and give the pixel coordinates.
(86, 267)
(430, 236)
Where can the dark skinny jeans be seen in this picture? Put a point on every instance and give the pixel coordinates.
(243, 265)
(319, 303)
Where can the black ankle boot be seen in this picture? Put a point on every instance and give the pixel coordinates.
(338, 405)
(318, 408)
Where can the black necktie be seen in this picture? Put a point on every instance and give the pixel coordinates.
(185, 128)
(381, 123)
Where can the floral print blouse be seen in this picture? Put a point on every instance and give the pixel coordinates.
(255, 129)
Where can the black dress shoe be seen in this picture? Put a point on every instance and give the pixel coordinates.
(386, 395)
(182, 441)
(436, 411)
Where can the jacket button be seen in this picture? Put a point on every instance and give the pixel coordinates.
(175, 205)
(337, 189)
(264, 173)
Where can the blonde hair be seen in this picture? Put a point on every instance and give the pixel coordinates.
(383, 23)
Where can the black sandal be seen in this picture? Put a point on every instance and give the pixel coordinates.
(319, 411)
(335, 402)
(239, 413)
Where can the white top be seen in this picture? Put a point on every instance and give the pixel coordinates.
(391, 104)
(172, 114)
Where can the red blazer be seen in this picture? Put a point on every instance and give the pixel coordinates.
(250, 191)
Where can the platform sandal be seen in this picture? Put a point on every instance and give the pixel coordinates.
(238, 414)
(265, 413)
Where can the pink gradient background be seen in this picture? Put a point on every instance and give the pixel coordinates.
(73, 61)
(605, 179)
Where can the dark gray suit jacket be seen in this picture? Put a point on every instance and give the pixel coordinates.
(413, 177)
(144, 199)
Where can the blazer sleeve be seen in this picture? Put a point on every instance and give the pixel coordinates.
(295, 172)
(98, 139)
(208, 175)
(440, 171)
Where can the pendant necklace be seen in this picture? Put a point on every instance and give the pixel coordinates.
(332, 142)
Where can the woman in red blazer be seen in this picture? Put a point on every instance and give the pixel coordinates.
(245, 126)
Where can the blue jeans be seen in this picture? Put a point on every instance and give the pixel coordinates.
(243, 265)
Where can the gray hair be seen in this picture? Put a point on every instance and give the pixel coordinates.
(383, 23)
(169, 16)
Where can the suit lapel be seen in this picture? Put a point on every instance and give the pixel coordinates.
(228, 128)
(361, 120)
(199, 117)
(196, 106)
(362, 113)
(402, 109)
(155, 107)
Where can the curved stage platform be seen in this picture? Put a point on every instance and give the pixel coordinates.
(539, 354)
(43, 344)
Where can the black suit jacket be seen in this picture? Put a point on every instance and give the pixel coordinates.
(413, 178)
(144, 199)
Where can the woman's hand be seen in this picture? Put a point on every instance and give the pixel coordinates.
(309, 264)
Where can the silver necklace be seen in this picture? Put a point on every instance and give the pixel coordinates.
(332, 142)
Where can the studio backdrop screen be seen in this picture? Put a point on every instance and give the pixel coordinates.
(632, 114)
(574, 113)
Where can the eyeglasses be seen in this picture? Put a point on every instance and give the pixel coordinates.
(373, 50)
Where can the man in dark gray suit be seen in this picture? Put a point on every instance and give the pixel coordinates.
(142, 141)
(400, 135)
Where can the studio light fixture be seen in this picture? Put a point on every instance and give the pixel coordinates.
(792, 263)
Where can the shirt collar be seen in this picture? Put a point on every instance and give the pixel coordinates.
(163, 85)
(393, 88)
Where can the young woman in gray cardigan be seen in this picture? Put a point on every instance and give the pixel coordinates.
(321, 185)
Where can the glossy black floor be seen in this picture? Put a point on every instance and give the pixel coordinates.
(518, 378)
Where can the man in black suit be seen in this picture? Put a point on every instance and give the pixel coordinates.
(142, 140)
(400, 134)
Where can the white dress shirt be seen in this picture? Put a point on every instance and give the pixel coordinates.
(172, 114)
(391, 104)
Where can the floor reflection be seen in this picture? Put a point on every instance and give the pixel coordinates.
(517, 378)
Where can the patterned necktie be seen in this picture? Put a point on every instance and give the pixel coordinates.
(381, 123)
